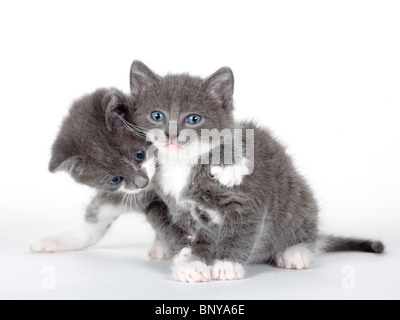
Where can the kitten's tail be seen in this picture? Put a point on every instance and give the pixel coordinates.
(335, 244)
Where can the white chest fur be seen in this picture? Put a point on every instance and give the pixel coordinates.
(174, 179)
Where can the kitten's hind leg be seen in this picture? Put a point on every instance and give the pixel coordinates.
(298, 257)
(99, 218)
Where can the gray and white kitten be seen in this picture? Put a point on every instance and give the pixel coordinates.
(271, 217)
(96, 148)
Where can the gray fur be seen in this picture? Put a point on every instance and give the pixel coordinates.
(272, 210)
(93, 152)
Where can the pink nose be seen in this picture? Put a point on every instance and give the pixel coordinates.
(173, 146)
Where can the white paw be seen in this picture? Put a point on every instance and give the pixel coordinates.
(230, 176)
(46, 245)
(159, 251)
(226, 270)
(188, 271)
(192, 272)
(184, 255)
(298, 257)
(216, 172)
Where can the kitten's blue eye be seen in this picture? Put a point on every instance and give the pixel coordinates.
(157, 116)
(115, 181)
(140, 156)
(193, 119)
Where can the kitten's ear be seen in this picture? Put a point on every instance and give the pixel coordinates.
(59, 163)
(221, 85)
(141, 77)
(116, 106)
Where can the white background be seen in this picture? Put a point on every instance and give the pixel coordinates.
(323, 75)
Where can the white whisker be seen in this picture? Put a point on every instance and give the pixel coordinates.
(137, 130)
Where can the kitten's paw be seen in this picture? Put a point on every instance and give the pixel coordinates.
(188, 271)
(185, 254)
(226, 270)
(216, 172)
(159, 251)
(45, 245)
(230, 176)
(192, 272)
(298, 257)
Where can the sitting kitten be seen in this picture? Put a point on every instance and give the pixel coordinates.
(271, 217)
(97, 150)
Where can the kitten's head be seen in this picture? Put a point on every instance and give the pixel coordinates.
(97, 149)
(178, 107)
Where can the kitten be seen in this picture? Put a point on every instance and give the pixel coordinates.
(271, 216)
(96, 149)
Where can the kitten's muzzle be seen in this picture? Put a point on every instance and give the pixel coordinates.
(173, 146)
(141, 182)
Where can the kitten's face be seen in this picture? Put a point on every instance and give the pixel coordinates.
(178, 108)
(97, 149)
(109, 168)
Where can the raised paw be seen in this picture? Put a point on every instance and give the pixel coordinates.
(192, 272)
(298, 257)
(159, 251)
(230, 176)
(46, 245)
(226, 270)
(216, 172)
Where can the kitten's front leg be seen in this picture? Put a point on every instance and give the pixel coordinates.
(186, 266)
(192, 265)
(99, 217)
(235, 243)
